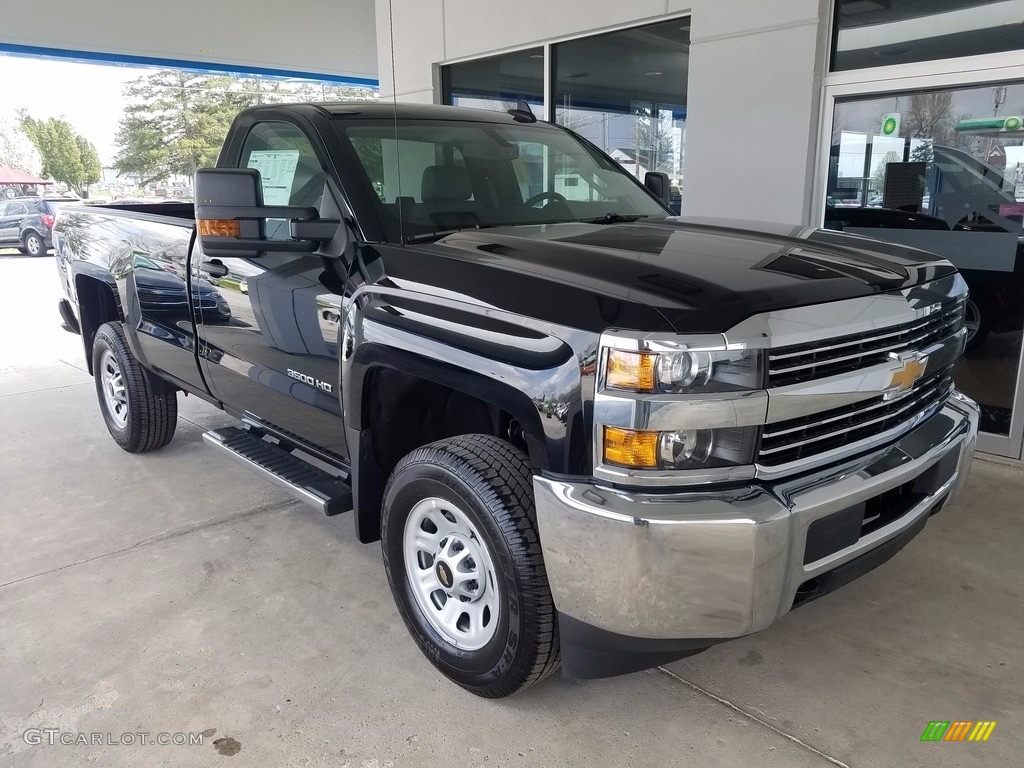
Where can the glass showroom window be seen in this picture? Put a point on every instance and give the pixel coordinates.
(626, 92)
(943, 170)
(497, 82)
(876, 33)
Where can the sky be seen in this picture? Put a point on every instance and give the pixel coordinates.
(88, 96)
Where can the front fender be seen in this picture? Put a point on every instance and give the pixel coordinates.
(527, 371)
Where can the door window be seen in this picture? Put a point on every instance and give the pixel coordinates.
(290, 173)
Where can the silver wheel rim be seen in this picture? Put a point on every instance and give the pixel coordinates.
(33, 245)
(451, 573)
(972, 319)
(114, 394)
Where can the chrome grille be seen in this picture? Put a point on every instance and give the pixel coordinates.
(807, 362)
(787, 441)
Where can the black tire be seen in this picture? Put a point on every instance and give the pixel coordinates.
(33, 243)
(977, 310)
(152, 405)
(490, 481)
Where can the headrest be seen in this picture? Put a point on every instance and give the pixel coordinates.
(445, 182)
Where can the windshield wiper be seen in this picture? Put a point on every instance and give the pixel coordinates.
(615, 218)
(429, 237)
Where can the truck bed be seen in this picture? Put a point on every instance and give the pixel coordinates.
(174, 210)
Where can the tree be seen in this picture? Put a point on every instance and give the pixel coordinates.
(176, 121)
(67, 156)
(17, 150)
(655, 141)
(323, 91)
(931, 116)
(878, 179)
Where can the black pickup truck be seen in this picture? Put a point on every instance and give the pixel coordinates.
(586, 431)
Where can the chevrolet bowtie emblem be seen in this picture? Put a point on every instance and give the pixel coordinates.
(911, 366)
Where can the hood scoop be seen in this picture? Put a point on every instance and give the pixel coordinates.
(813, 265)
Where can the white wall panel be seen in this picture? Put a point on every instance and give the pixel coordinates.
(752, 125)
(419, 37)
(328, 37)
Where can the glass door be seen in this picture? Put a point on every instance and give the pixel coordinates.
(943, 170)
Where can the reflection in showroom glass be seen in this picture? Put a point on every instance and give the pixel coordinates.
(943, 170)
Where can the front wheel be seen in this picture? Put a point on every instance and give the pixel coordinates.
(976, 320)
(139, 410)
(34, 245)
(463, 558)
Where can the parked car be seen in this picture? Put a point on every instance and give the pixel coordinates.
(27, 223)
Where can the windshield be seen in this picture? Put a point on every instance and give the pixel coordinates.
(445, 176)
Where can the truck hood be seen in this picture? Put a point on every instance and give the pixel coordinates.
(682, 275)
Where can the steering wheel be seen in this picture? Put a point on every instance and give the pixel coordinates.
(555, 196)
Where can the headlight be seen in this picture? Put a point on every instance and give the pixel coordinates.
(680, 449)
(689, 404)
(683, 370)
(678, 370)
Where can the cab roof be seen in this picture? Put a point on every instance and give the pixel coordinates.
(388, 110)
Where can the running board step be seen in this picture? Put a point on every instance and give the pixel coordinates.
(330, 494)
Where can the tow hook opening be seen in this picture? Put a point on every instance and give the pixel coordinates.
(807, 591)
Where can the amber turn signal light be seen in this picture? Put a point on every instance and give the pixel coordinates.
(219, 228)
(630, 448)
(630, 370)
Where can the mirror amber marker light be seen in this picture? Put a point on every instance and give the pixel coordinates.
(629, 448)
(220, 228)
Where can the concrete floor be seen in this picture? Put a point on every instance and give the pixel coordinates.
(176, 592)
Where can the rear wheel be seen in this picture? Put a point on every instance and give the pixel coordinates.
(463, 559)
(34, 245)
(140, 411)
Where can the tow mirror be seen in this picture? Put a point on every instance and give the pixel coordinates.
(232, 221)
(658, 185)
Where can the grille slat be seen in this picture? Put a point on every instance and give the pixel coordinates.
(807, 436)
(920, 340)
(858, 340)
(859, 409)
(808, 362)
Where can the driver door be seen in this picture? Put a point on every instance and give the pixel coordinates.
(273, 354)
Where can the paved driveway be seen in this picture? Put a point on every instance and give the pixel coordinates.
(177, 593)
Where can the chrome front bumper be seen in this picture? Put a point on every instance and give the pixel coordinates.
(718, 564)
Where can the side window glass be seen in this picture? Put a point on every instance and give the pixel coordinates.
(16, 209)
(290, 173)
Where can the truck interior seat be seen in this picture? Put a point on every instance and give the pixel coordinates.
(445, 191)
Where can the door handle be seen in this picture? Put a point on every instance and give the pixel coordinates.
(214, 267)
